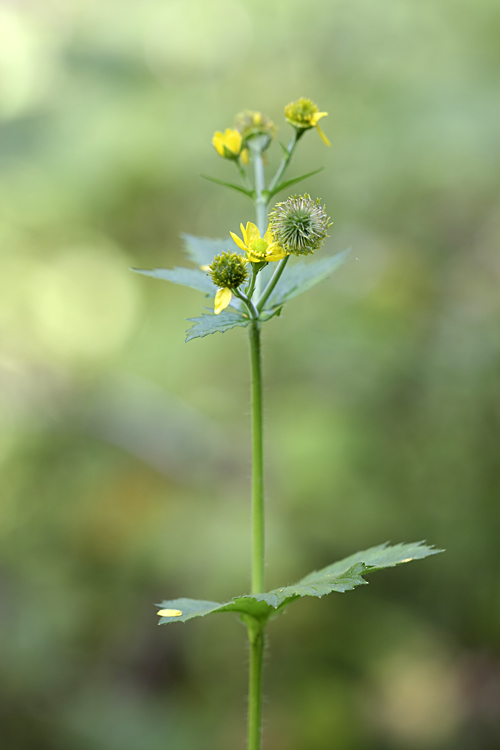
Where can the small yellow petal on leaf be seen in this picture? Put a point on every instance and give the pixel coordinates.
(222, 300)
(407, 559)
(169, 613)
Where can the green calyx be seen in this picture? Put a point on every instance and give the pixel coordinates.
(250, 124)
(228, 270)
(299, 224)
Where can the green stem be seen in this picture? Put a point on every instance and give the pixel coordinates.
(243, 175)
(257, 463)
(250, 289)
(261, 199)
(256, 637)
(272, 283)
(297, 134)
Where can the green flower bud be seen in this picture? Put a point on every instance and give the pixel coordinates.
(250, 123)
(299, 224)
(228, 270)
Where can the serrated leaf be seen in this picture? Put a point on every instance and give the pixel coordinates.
(249, 193)
(261, 606)
(202, 250)
(293, 181)
(191, 277)
(377, 558)
(339, 577)
(207, 324)
(303, 276)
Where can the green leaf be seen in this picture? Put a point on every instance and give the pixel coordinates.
(293, 181)
(207, 324)
(303, 276)
(191, 277)
(339, 577)
(249, 193)
(202, 250)
(262, 606)
(377, 558)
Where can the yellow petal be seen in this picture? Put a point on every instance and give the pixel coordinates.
(317, 116)
(204, 268)
(244, 234)
(323, 136)
(244, 156)
(232, 140)
(269, 235)
(238, 241)
(222, 300)
(169, 613)
(218, 142)
(252, 233)
(275, 252)
(254, 258)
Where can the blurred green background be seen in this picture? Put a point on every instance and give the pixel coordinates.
(125, 454)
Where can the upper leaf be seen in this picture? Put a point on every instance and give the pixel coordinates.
(202, 250)
(341, 576)
(377, 558)
(293, 181)
(231, 185)
(205, 324)
(192, 277)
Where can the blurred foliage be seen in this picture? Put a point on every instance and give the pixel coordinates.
(125, 453)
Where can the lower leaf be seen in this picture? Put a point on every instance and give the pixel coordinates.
(341, 576)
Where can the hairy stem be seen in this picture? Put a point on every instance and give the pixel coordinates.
(257, 462)
(286, 159)
(272, 283)
(256, 637)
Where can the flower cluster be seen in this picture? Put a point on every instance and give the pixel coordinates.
(299, 224)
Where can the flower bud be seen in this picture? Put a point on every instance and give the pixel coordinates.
(299, 224)
(303, 115)
(228, 144)
(228, 270)
(250, 124)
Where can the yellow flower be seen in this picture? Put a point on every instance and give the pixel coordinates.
(258, 248)
(222, 300)
(228, 144)
(304, 114)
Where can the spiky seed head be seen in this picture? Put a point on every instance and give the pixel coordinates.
(228, 270)
(299, 224)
